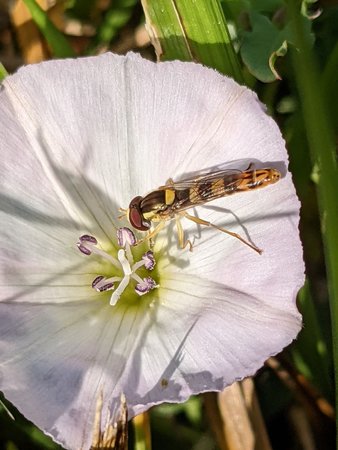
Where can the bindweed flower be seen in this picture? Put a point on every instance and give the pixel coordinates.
(87, 311)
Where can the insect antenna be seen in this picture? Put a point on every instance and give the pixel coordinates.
(124, 212)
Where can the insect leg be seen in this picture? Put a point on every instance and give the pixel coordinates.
(153, 233)
(180, 233)
(124, 211)
(231, 233)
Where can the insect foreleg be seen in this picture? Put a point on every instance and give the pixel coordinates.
(180, 233)
(231, 233)
(153, 232)
(124, 212)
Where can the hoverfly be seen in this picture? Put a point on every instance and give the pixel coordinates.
(173, 199)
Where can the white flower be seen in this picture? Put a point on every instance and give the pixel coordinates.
(81, 138)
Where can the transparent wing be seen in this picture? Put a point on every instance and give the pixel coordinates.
(204, 188)
(206, 178)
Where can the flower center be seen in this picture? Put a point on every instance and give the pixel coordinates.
(124, 263)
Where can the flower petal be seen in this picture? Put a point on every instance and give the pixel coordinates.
(140, 124)
(205, 339)
(93, 133)
(57, 360)
(186, 343)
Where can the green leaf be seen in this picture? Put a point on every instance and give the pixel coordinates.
(267, 6)
(192, 408)
(115, 18)
(7, 411)
(192, 31)
(3, 72)
(310, 9)
(261, 47)
(264, 44)
(233, 9)
(56, 40)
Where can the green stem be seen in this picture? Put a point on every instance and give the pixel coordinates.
(321, 140)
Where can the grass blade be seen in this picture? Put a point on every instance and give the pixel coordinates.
(56, 40)
(192, 31)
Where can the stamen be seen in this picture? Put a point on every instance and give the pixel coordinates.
(87, 246)
(88, 238)
(101, 284)
(125, 236)
(96, 281)
(136, 277)
(125, 262)
(147, 285)
(83, 249)
(149, 260)
(105, 287)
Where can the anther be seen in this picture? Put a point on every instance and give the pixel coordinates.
(125, 236)
(149, 260)
(101, 284)
(106, 287)
(83, 249)
(88, 238)
(96, 281)
(145, 286)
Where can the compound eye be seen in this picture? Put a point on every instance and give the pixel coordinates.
(135, 215)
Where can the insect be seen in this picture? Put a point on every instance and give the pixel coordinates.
(172, 200)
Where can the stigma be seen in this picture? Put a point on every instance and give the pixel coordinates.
(124, 268)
